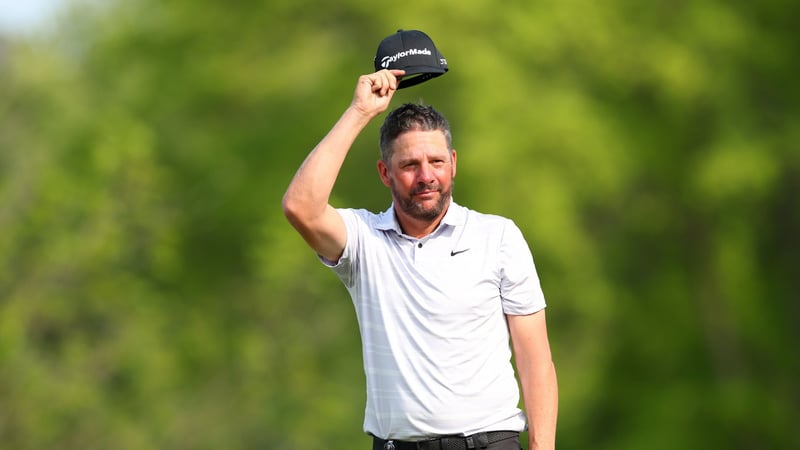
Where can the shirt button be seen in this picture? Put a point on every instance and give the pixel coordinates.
(419, 245)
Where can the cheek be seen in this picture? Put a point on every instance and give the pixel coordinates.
(404, 177)
(445, 175)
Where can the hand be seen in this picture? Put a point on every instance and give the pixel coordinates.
(374, 91)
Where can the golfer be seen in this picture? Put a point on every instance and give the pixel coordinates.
(442, 293)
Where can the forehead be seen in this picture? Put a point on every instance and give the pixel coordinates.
(417, 142)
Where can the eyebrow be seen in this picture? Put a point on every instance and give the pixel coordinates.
(430, 157)
(403, 162)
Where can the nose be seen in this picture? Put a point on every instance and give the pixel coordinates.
(425, 173)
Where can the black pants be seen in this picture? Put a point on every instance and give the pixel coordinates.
(511, 443)
(506, 444)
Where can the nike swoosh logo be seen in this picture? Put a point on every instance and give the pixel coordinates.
(454, 253)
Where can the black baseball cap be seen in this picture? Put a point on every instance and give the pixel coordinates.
(412, 51)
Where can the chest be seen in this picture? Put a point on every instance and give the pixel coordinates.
(443, 275)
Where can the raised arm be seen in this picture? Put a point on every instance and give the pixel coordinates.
(306, 201)
(537, 376)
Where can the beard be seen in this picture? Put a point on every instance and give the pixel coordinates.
(418, 210)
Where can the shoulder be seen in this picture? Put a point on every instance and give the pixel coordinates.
(493, 228)
(493, 222)
(364, 219)
(362, 214)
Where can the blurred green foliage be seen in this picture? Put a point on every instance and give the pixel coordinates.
(153, 297)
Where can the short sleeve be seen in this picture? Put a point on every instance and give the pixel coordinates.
(520, 289)
(344, 267)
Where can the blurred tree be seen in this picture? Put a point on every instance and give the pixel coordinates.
(153, 296)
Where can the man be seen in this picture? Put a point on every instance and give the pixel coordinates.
(438, 289)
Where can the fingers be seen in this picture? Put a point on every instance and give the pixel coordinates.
(384, 81)
(374, 91)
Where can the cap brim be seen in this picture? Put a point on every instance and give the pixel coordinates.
(419, 74)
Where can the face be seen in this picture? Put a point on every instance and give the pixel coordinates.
(420, 174)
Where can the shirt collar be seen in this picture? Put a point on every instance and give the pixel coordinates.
(456, 215)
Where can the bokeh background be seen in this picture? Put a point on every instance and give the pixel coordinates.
(152, 296)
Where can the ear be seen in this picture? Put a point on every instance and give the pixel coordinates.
(453, 159)
(383, 172)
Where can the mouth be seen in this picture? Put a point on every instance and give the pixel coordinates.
(429, 189)
(426, 194)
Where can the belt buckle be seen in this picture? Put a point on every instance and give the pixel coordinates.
(389, 445)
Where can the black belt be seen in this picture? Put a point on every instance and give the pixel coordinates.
(475, 441)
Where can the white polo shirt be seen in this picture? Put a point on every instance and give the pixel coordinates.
(431, 313)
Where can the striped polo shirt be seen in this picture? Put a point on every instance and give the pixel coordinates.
(431, 313)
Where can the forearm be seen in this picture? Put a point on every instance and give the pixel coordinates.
(540, 395)
(309, 192)
(537, 377)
